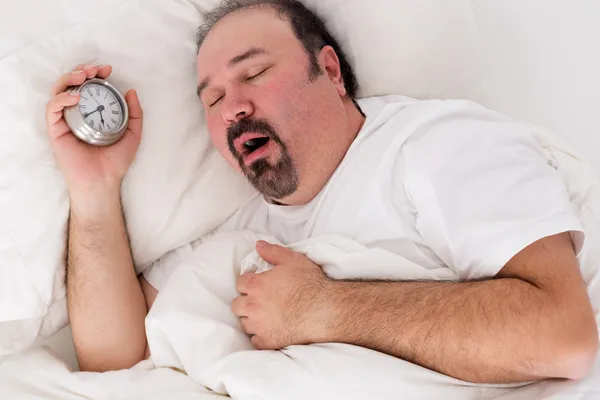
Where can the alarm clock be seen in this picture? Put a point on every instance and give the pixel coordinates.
(100, 117)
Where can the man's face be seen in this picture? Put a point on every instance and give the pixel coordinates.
(265, 113)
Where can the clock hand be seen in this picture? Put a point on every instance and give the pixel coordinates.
(92, 96)
(90, 113)
(99, 108)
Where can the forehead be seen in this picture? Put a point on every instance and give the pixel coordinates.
(235, 34)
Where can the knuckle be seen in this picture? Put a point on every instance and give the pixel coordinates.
(250, 303)
(237, 304)
(240, 283)
(253, 281)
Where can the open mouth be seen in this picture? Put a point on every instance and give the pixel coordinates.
(252, 145)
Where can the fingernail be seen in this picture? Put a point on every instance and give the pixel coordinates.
(88, 67)
(77, 72)
(74, 94)
(261, 243)
(103, 66)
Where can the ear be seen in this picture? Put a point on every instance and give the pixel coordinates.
(330, 63)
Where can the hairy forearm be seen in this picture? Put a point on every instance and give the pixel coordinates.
(487, 331)
(106, 304)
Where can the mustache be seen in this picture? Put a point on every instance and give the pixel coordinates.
(246, 125)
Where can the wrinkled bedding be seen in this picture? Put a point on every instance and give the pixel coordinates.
(191, 328)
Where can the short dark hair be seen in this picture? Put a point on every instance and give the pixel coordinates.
(307, 26)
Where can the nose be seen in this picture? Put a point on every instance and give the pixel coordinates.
(235, 109)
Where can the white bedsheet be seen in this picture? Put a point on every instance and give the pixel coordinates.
(191, 328)
(38, 374)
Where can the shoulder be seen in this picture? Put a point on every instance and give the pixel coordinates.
(463, 135)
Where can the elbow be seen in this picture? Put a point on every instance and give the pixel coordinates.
(583, 358)
(578, 354)
(116, 362)
(107, 366)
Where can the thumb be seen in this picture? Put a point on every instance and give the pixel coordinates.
(273, 253)
(135, 112)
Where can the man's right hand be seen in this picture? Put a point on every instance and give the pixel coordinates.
(105, 301)
(86, 167)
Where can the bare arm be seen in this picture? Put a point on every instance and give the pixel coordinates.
(534, 321)
(106, 303)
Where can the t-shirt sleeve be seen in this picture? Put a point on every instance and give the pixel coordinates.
(483, 189)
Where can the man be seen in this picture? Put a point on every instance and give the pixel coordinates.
(445, 184)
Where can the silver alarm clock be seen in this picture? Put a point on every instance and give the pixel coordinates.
(101, 116)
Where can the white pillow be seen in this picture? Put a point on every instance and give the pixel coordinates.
(178, 189)
(541, 64)
(417, 48)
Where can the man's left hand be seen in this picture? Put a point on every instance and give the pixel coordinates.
(286, 305)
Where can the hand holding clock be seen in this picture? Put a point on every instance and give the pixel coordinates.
(84, 166)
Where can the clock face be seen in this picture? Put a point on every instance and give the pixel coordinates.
(100, 108)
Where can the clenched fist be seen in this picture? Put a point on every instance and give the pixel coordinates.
(286, 305)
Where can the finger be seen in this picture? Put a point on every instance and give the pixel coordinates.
(245, 282)
(135, 113)
(247, 325)
(239, 306)
(104, 71)
(264, 344)
(91, 71)
(73, 78)
(257, 342)
(55, 107)
(274, 254)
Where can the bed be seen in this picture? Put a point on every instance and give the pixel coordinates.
(534, 61)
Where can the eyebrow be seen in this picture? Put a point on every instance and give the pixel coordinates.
(253, 52)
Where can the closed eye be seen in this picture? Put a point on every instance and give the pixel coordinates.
(257, 75)
(216, 101)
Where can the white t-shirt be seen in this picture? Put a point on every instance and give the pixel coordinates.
(443, 183)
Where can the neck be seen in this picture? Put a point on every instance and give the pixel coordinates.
(355, 120)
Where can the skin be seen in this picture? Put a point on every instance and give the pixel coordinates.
(100, 274)
(532, 321)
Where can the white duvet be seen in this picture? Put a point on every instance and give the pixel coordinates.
(191, 328)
